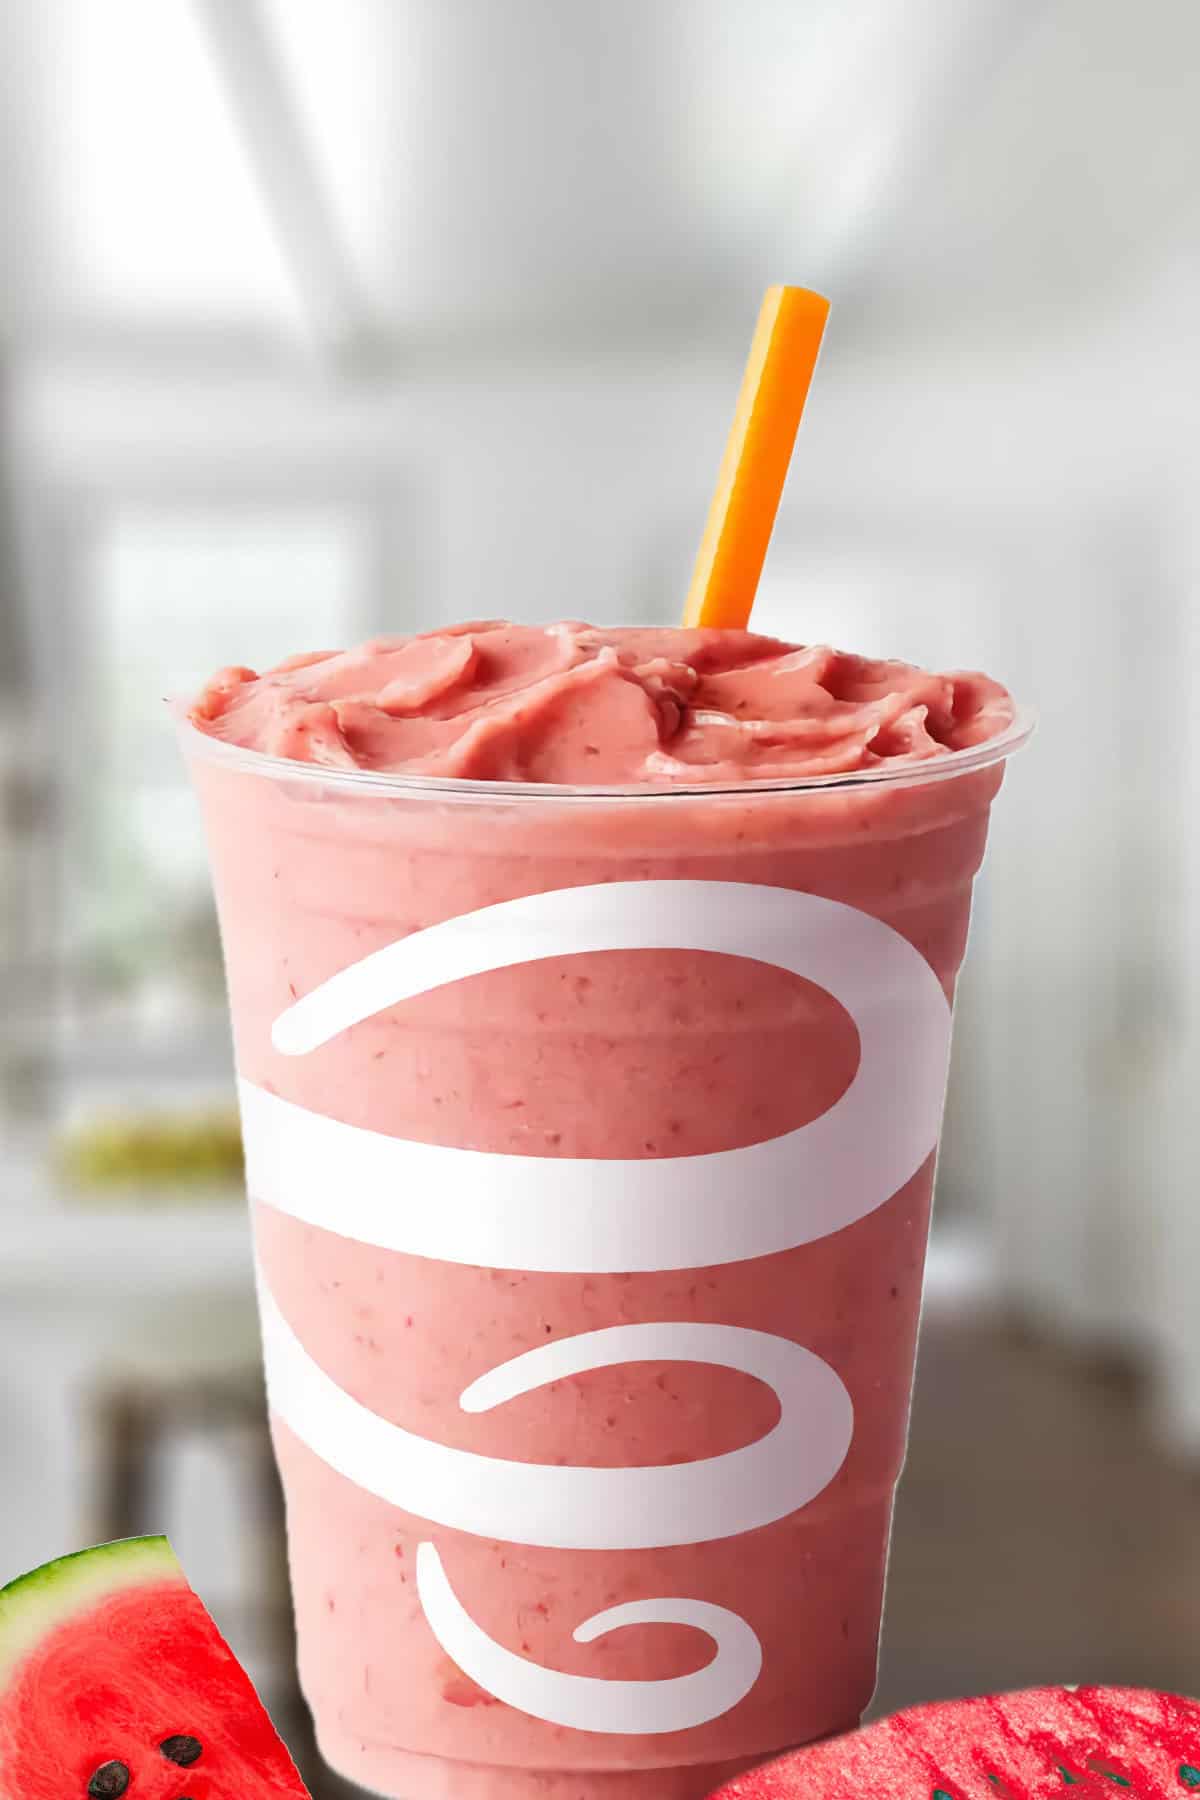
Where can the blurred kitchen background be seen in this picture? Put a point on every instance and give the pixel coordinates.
(321, 318)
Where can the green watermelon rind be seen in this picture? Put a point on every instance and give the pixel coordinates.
(34, 1604)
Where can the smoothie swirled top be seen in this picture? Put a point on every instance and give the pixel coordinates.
(573, 704)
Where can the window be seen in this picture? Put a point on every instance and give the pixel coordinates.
(162, 594)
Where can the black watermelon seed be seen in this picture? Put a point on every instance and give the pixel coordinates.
(109, 1782)
(1189, 1774)
(182, 1749)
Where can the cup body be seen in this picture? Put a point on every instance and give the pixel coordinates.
(590, 1143)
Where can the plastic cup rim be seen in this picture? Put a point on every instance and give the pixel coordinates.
(198, 745)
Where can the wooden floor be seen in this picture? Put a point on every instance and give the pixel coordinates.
(1039, 1537)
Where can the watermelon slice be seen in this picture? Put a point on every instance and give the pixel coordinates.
(1087, 1743)
(114, 1680)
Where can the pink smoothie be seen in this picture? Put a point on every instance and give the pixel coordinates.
(353, 800)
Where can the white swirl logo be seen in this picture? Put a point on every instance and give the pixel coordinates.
(592, 1215)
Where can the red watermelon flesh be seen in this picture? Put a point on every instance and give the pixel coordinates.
(115, 1681)
(1087, 1743)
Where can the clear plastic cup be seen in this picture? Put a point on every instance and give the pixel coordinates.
(590, 1139)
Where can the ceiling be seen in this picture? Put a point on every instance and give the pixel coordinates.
(416, 171)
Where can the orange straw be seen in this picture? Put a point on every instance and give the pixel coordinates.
(742, 515)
